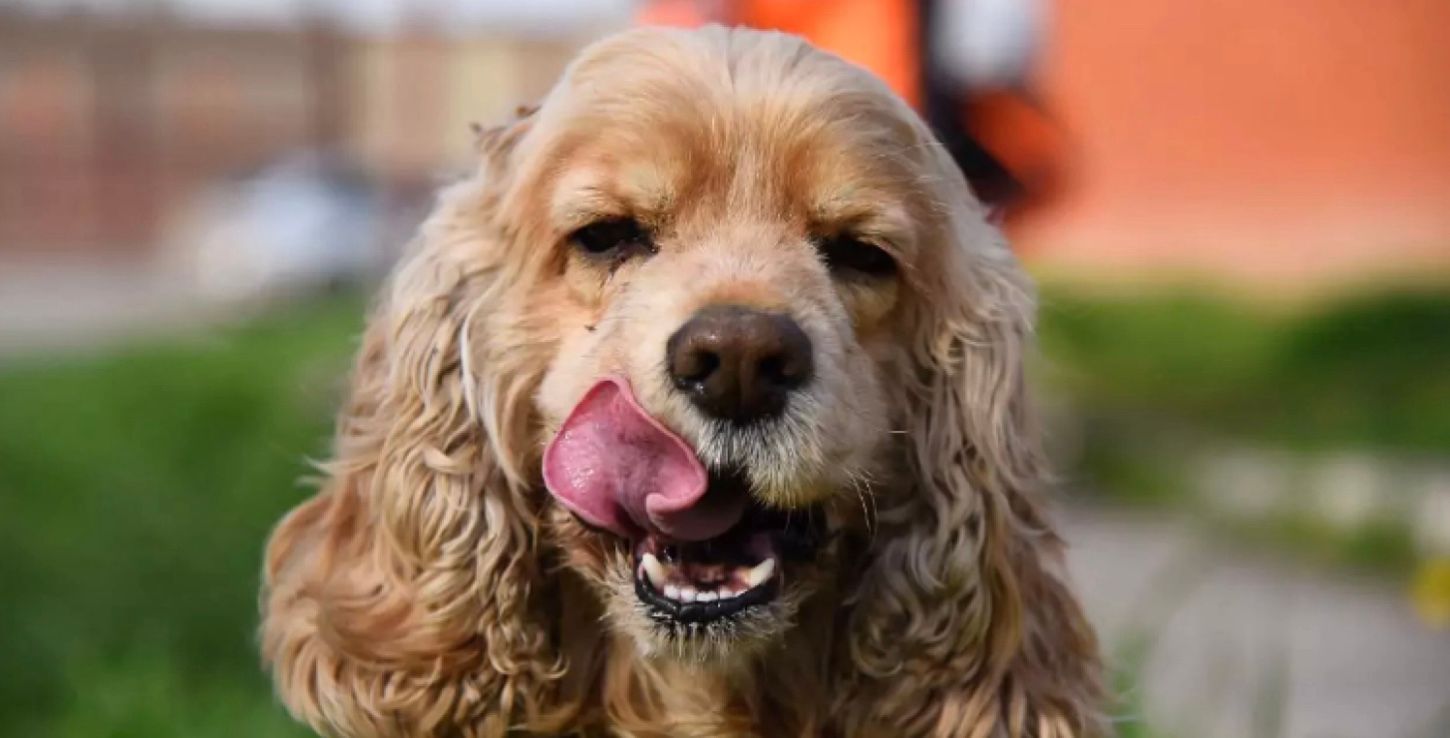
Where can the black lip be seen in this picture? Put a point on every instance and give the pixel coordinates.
(662, 608)
(795, 536)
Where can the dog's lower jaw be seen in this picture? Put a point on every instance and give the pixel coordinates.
(730, 645)
(721, 645)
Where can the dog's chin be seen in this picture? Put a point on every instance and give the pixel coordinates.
(720, 600)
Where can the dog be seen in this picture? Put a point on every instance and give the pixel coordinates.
(698, 409)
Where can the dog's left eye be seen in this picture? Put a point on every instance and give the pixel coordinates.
(847, 253)
(616, 238)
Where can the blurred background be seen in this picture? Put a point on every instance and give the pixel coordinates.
(1238, 210)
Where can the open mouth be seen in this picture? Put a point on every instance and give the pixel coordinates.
(724, 577)
(705, 550)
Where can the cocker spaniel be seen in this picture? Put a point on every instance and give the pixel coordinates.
(697, 410)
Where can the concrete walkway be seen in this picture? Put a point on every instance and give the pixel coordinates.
(1240, 646)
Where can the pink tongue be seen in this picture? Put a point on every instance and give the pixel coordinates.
(618, 468)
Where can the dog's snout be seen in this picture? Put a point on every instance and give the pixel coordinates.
(737, 363)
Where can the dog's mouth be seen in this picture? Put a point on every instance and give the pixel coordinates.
(725, 577)
(705, 549)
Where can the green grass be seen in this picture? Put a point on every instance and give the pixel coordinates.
(136, 491)
(1370, 371)
(1153, 382)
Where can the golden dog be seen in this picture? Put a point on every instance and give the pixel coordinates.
(697, 410)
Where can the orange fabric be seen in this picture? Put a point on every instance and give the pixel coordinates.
(1021, 137)
(683, 13)
(879, 35)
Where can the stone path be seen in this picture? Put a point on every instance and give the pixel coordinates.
(1248, 647)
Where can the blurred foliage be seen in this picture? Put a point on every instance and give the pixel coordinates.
(1151, 380)
(1370, 371)
(136, 492)
(1382, 545)
(1431, 592)
(1125, 669)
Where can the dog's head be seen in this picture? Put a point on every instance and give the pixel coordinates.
(721, 328)
(731, 232)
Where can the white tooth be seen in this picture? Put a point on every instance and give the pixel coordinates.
(759, 573)
(672, 592)
(653, 569)
(707, 597)
(726, 593)
(688, 594)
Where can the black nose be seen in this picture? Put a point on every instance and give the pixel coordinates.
(739, 364)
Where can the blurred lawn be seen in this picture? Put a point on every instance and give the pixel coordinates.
(1370, 371)
(1154, 382)
(136, 489)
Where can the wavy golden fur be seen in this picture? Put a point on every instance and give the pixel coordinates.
(433, 587)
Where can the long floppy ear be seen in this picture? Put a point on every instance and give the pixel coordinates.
(963, 625)
(404, 599)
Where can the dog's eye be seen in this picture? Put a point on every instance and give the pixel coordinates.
(847, 253)
(616, 238)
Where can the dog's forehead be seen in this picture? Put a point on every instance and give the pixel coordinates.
(675, 123)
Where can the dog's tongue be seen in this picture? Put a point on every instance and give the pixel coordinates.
(618, 468)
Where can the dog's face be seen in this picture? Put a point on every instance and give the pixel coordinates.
(729, 254)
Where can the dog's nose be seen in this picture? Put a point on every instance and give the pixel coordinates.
(739, 364)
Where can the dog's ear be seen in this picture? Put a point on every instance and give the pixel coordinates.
(962, 625)
(500, 140)
(404, 598)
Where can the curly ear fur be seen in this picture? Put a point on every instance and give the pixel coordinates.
(962, 625)
(401, 598)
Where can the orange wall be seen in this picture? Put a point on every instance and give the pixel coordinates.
(1268, 139)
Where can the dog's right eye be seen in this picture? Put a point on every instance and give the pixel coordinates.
(616, 239)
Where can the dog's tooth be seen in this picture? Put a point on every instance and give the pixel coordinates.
(653, 569)
(759, 573)
(707, 597)
(726, 593)
(688, 594)
(672, 592)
